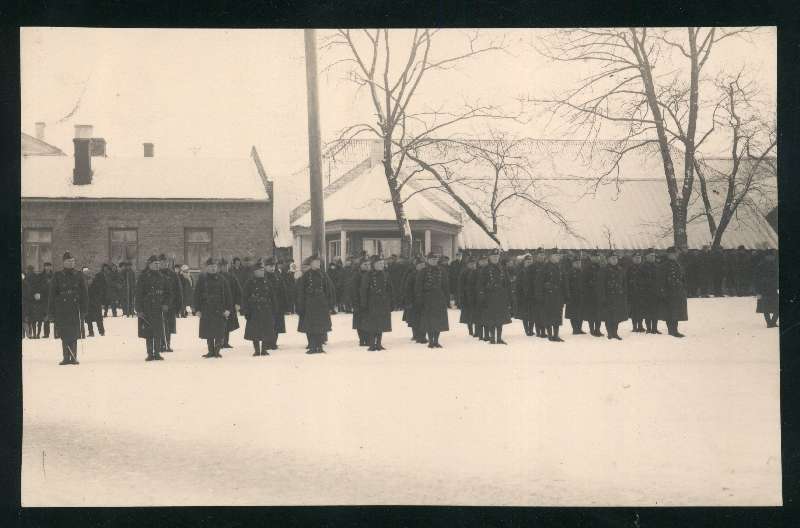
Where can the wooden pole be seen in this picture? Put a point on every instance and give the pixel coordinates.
(314, 147)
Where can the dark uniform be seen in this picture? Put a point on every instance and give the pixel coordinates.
(375, 299)
(152, 302)
(175, 303)
(651, 300)
(128, 297)
(593, 300)
(314, 301)
(577, 291)
(551, 290)
(454, 270)
(259, 304)
(494, 300)
(466, 296)
(614, 299)
(68, 301)
(637, 286)
(37, 309)
(187, 288)
(283, 290)
(232, 323)
(355, 294)
(212, 297)
(765, 280)
(524, 295)
(673, 293)
(535, 303)
(94, 313)
(432, 297)
(398, 270)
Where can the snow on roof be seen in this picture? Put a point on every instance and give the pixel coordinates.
(145, 178)
(32, 146)
(366, 197)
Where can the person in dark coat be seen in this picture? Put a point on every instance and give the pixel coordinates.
(128, 284)
(175, 299)
(213, 304)
(536, 275)
(432, 296)
(650, 278)
(481, 332)
(577, 291)
(279, 286)
(551, 290)
(614, 295)
(187, 288)
(40, 299)
(232, 322)
(334, 272)
(454, 279)
(593, 301)
(355, 294)
(314, 301)
(524, 294)
(636, 293)
(466, 295)
(94, 313)
(345, 288)
(259, 304)
(411, 308)
(765, 280)
(240, 271)
(673, 293)
(288, 279)
(494, 298)
(375, 300)
(152, 300)
(68, 301)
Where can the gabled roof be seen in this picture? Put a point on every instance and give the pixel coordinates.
(31, 146)
(50, 177)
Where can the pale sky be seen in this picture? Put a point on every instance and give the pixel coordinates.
(224, 90)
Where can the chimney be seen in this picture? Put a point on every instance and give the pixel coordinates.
(40, 130)
(148, 150)
(82, 173)
(375, 153)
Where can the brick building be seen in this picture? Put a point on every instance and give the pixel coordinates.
(108, 209)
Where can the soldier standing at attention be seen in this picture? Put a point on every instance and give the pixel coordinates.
(68, 302)
(94, 314)
(355, 294)
(650, 277)
(636, 295)
(539, 327)
(232, 322)
(40, 286)
(432, 296)
(614, 296)
(259, 304)
(466, 294)
(673, 292)
(766, 285)
(128, 288)
(375, 298)
(593, 299)
(482, 332)
(152, 303)
(456, 267)
(494, 297)
(524, 294)
(314, 302)
(213, 304)
(576, 291)
(279, 286)
(175, 300)
(552, 292)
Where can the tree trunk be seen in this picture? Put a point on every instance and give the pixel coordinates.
(712, 224)
(403, 225)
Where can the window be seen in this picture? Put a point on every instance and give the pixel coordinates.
(198, 247)
(37, 247)
(419, 246)
(334, 249)
(123, 245)
(381, 246)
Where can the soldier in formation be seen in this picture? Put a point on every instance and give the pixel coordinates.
(614, 295)
(358, 277)
(431, 298)
(466, 295)
(765, 281)
(649, 291)
(232, 322)
(213, 304)
(411, 309)
(315, 298)
(175, 303)
(577, 290)
(281, 288)
(94, 312)
(68, 301)
(152, 304)
(550, 289)
(128, 281)
(39, 290)
(375, 300)
(259, 307)
(494, 299)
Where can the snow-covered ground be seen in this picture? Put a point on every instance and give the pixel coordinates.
(651, 420)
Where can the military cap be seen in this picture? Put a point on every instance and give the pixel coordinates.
(67, 256)
(269, 262)
(151, 258)
(432, 255)
(210, 261)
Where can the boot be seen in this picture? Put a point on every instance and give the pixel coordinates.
(225, 343)
(217, 348)
(65, 353)
(655, 327)
(312, 346)
(373, 343)
(149, 346)
(265, 347)
(210, 345)
(431, 340)
(378, 341)
(555, 337)
(256, 348)
(423, 339)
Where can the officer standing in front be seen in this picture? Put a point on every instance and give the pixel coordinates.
(494, 298)
(68, 302)
(213, 304)
(432, 296)
(152, 299)
(673, 293)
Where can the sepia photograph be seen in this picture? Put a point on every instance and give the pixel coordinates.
(420, 266)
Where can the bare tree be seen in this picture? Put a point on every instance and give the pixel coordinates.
(392, 65)
(753, 141)
(504, 175)
(627, 88)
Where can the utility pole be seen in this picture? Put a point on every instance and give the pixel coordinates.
(314, 148)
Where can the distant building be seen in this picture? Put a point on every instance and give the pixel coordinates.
(108, 209)
(628, 209)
